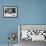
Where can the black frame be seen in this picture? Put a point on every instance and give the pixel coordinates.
(11, 7)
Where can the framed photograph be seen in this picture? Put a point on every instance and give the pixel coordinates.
(10, 11)
(33, 32)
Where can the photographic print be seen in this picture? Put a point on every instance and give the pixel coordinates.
(32, 32)
(10, 11)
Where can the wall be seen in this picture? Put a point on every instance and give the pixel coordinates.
(7, 25)
(29, 12)
(32, 11)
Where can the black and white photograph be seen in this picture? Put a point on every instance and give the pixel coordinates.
(30, 34)
(10, 11)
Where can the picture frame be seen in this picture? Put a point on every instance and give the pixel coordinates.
(38, 30)
(10, 11)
